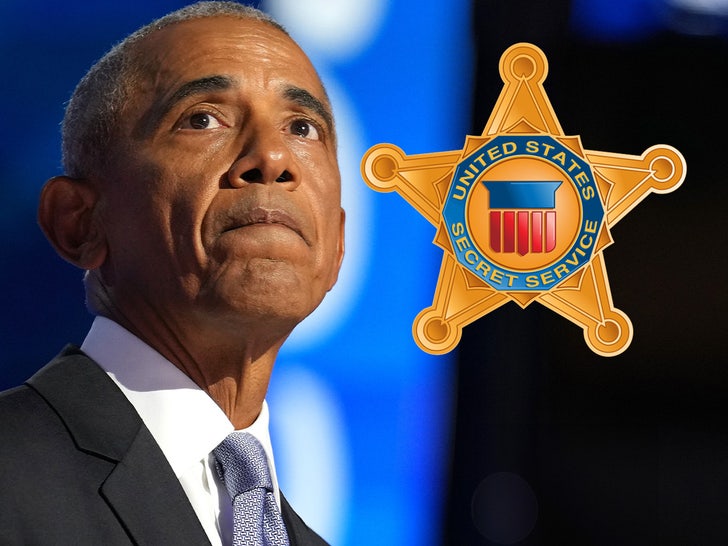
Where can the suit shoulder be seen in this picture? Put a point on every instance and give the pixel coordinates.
(22, 409)
(32, 435)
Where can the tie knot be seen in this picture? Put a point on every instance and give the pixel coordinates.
(242, 464)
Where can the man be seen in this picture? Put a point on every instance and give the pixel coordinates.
(202, 197)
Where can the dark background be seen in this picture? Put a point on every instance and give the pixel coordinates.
(630, 449)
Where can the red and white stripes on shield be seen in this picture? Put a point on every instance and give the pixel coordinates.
(522, 231)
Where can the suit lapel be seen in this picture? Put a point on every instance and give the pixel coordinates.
(299, 534)
(143, 492)
(142, 489)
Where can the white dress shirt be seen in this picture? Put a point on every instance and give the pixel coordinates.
(186, 423)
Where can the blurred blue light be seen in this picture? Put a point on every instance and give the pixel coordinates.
(378, 404)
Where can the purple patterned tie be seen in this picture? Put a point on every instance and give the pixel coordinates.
(243, 468)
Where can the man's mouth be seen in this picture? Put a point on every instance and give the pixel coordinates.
(265, 216)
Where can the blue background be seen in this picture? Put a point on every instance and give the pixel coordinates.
(367, 411)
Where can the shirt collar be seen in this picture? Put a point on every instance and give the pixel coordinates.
(186, 423)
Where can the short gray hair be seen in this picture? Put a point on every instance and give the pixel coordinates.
(92, 113)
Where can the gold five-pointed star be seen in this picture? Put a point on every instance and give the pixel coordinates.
(523, 213)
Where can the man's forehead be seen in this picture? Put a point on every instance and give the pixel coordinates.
(195, 48)
(210, 35)
(217, 54)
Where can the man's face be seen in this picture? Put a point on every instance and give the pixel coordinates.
(224, 210)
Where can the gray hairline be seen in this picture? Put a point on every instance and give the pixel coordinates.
(92, 112)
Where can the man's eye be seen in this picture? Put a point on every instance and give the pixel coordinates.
(201, 120)
(305, 129)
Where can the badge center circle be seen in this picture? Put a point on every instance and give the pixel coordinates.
(478, 215)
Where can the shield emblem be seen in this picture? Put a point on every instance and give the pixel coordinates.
(522, 216)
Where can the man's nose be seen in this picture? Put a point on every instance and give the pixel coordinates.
(265, 159)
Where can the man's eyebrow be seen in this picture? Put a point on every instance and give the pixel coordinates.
(196, 87)
(307, 100)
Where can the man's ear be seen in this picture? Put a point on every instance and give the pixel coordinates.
(67, 215)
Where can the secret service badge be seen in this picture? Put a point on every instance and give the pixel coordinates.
(523, 213)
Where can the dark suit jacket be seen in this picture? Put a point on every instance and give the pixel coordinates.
(79, 467)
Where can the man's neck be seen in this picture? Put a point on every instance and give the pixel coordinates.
(233, 370)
